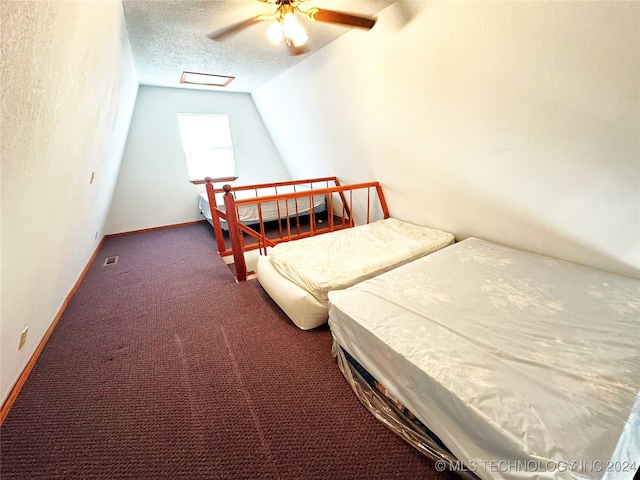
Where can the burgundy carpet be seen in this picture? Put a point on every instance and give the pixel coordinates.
(163, 367)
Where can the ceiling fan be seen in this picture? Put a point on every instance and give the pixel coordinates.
(285, 26)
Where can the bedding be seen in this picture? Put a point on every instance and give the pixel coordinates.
(248, 214)
(343, 258)
(299, 274)
(523, 366)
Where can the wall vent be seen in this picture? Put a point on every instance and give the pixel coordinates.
(110, 260)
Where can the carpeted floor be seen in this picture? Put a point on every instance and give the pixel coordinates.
(163, 367)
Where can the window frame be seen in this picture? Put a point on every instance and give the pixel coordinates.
(220, 169)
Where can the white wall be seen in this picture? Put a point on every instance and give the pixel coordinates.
(517, 122)
(153, 187)
(68, 90)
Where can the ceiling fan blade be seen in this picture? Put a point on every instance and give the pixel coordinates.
(331, 16)
(235, 28)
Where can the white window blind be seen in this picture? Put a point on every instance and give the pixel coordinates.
(206, 140)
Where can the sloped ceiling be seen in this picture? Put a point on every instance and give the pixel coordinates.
(169, 36)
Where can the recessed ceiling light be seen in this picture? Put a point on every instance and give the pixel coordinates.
(205, 79)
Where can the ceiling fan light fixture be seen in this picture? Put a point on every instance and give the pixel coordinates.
(287, 27)
(292, 31)
(275, 32)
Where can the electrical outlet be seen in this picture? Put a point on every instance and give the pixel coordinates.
(23, 337)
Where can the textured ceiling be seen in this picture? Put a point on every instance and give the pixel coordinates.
(169, 36)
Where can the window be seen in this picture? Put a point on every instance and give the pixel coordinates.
(206, 140)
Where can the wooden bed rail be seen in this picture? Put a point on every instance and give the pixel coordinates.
(218, 215)
(275, 185)
(339, 204)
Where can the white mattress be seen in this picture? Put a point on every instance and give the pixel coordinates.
(248, 214)
(299, 305)
(343, 258)
(524, 366)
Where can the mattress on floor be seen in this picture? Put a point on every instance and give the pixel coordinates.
(524, 366)
(343, 258)
(300, 306)
(249, 214)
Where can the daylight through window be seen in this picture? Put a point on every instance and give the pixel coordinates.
(206, 140)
